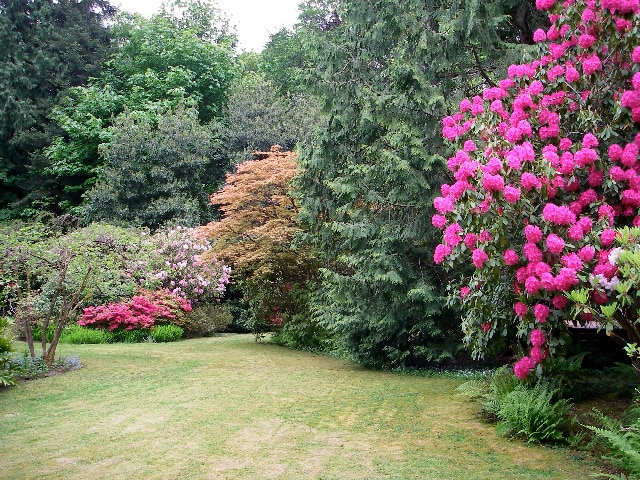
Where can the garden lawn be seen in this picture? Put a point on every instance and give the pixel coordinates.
(230, 408)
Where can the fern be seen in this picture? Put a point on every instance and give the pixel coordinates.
(473, 389)
(624, 442)
(532, 413)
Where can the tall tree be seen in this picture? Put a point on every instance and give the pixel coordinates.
(386, 73)
(256, 235)
(259, 116)
(47, 47)
(156, 172)
(158, 66)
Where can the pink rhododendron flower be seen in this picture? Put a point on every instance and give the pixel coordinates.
(479, 257)
(559, 302)
(539, 35)
(484, 236)
(537, 337)
(465, 292)
(492, 183)
(438, 221)
(559, 215)
(511, 194)
(591, 65)
(541, 312)
(587, 253)
(452, 235)
(523, 367)
(529, 181)
(545, 4)
(585, 40)
(607, 237)
(537, 354)
(470, 240)
(443, 205)
(555, 244)
(532, 285)
(441, 252)
(532, 252)
(510, 257)
(521, 309)
(532, 233)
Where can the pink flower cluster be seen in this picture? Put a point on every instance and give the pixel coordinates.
(142, 311)
(537, 354)
(521, 159)
(179, 266)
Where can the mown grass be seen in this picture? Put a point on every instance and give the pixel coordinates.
(230, 408)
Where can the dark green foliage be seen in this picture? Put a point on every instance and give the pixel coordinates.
(259, 117)
(208, 319)
(137, 335)
(47, 47)
(283, 61)
(156, 175)
(165, 333)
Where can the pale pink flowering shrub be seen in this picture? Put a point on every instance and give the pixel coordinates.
(563, 131)
(177, 266)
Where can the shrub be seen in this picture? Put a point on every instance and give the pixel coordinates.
(6, 371)
(181, 265)
(520, 409)
(207, 319)
(142, 311)
(166, 333)
(137, 335)
(29, 368)
(546, 170)
(531, 412)
(76, 334)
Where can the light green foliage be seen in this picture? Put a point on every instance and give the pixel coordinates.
(621, 438)
(161, 64)
(530, 411)
(156, 174)
(165, 333)
(386, 73)
(76, 334)
(7, 372)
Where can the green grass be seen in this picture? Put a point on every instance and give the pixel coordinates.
(231, 408)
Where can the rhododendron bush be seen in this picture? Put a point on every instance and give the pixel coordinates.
(547, 169)
(178, 266)
(144, 311)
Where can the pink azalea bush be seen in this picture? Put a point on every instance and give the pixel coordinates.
(144, 311)
(177, 266)
(547, 168)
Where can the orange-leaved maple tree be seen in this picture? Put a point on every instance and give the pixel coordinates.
(255, 233)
